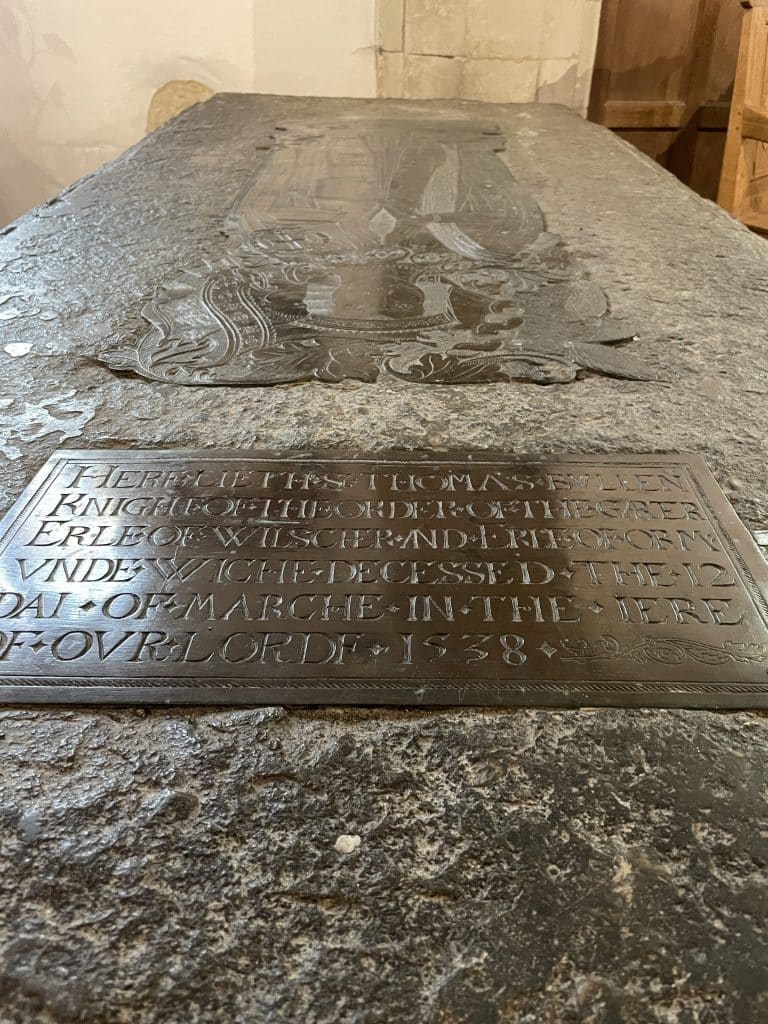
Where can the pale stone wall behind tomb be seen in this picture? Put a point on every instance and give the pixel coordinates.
(77, 80)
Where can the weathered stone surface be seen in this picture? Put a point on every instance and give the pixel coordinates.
(513, 867)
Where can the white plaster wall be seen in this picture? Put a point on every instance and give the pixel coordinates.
(315, 47)
(77, 77)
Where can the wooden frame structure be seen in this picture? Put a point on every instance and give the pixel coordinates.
(744, 179)
(662, 81)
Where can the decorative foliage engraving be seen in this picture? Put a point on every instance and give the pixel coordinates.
(663, 650)
(363, 248)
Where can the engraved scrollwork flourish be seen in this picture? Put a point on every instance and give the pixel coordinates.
(663, 650)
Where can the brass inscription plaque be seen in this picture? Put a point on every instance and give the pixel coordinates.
(243, 577)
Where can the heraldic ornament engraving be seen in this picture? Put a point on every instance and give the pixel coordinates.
(360, 249)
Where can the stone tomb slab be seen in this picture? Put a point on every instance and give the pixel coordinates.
(224, 577)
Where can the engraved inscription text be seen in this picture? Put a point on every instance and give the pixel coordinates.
(399, 579)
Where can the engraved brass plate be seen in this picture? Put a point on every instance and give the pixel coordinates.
(369, 248)
(241, 577)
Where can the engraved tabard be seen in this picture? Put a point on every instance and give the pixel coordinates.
(237, 577)
(364, 248)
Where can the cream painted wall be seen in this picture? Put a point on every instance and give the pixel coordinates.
(76, 78)
(315, 47)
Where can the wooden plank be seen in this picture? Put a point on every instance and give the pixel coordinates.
(697, 86)
(601, 74)
(643, 113)
(753, 208)
(663, 114)
(713, 117)
(706, 164)
(725, 52)
(655, 144)
(653, 49)
(754, 123)
(757, 221)
(734, 176)
(756, 189)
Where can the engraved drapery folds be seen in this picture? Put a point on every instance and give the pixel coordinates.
(365, 248)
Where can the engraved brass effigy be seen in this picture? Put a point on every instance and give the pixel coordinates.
(364, 248)
(241, 577)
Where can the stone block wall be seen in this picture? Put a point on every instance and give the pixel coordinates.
(496, 50)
